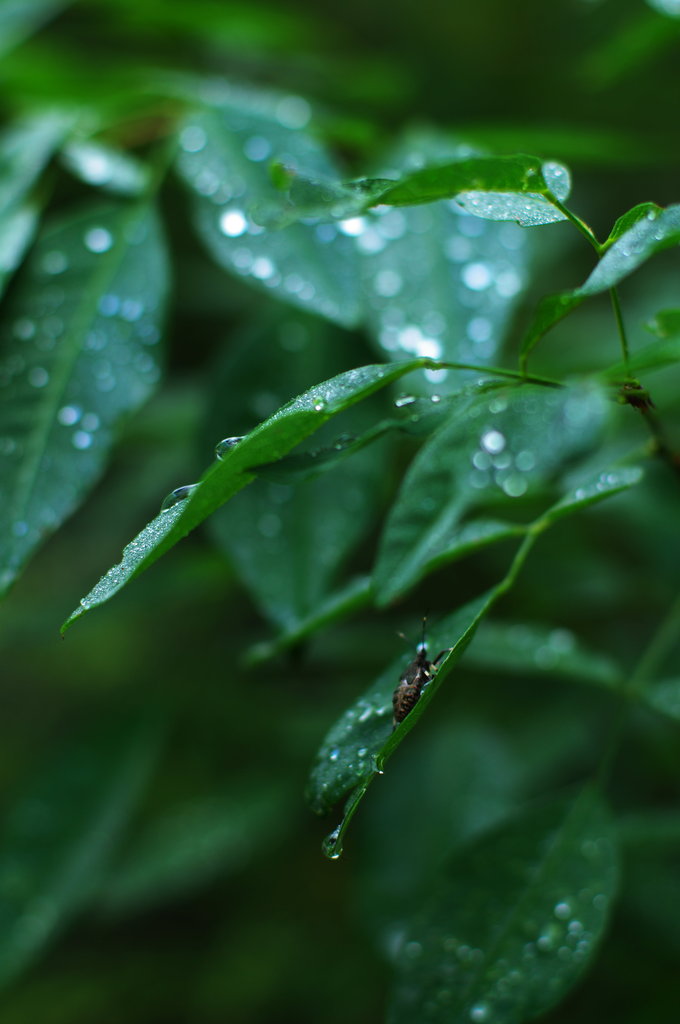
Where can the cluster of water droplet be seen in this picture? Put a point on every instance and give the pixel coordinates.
(439, 282)
(76, 359)
(224, 157)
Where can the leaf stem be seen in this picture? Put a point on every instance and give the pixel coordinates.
(616, 306)
(579, 224)
(497, 371)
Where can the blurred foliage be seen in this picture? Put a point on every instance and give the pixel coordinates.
(157, 859)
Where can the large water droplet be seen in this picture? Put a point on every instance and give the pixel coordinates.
(332, 846)
(226, 444)
(179, 494)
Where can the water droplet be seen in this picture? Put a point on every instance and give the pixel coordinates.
(98, 240)
(562, 911)
(403, 400)
(493, 441)
(388, 283)
(54, 262)
(331, 845)
(293, 112)
(319, 406)
(38, 377)
(257, 148)
(515, 485)
(24, 329)
(109, 305)
(20, 528)
(353, 227)
(81, 440)
(233, 223)
(334, 754)
(226, 444)
(479, 1012)
(192, 138)
(263, 268)
(179, 494)
(476, 276)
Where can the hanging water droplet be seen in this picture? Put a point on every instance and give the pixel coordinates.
(332, 846)
(226, 444)
(179, 494)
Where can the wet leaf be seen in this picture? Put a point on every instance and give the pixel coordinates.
(629, 219)
(438, 281)
(498, 448)
(513, 921)
(25, 150)
(58, 836)
(649, 234)
(77, 353)
(225, 157)
(104, 167)
(267, 442)
(520, 188)
(358, 740)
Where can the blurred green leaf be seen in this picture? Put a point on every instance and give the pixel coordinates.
(19, 19)
(224, 159)
(25, 150)
(58, 836)
(189, 847)
(438, 281)
(271, 439)
(77, 354)
(104, 167)
(536, 649)
(497, 447)
(664, 697)
(513, 920)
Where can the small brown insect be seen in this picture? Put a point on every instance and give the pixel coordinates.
(417, 674)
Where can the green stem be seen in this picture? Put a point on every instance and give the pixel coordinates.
(579, 224)
(616, 306)
(548, 382)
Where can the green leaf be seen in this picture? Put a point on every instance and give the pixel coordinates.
(649, 234)
(513, 921)
(521, 648)
(224, 161)
(498, 448)
(594, 488)
(189, 846)
(671, 8)
(58, 836)
(438, 281)
(25, 149)
(336, 605)
(19, 19)
(77, 353)
(629, 219)
(664, 697)
(104, 167)
(360, 737)
(267, 442)
(520, 188)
